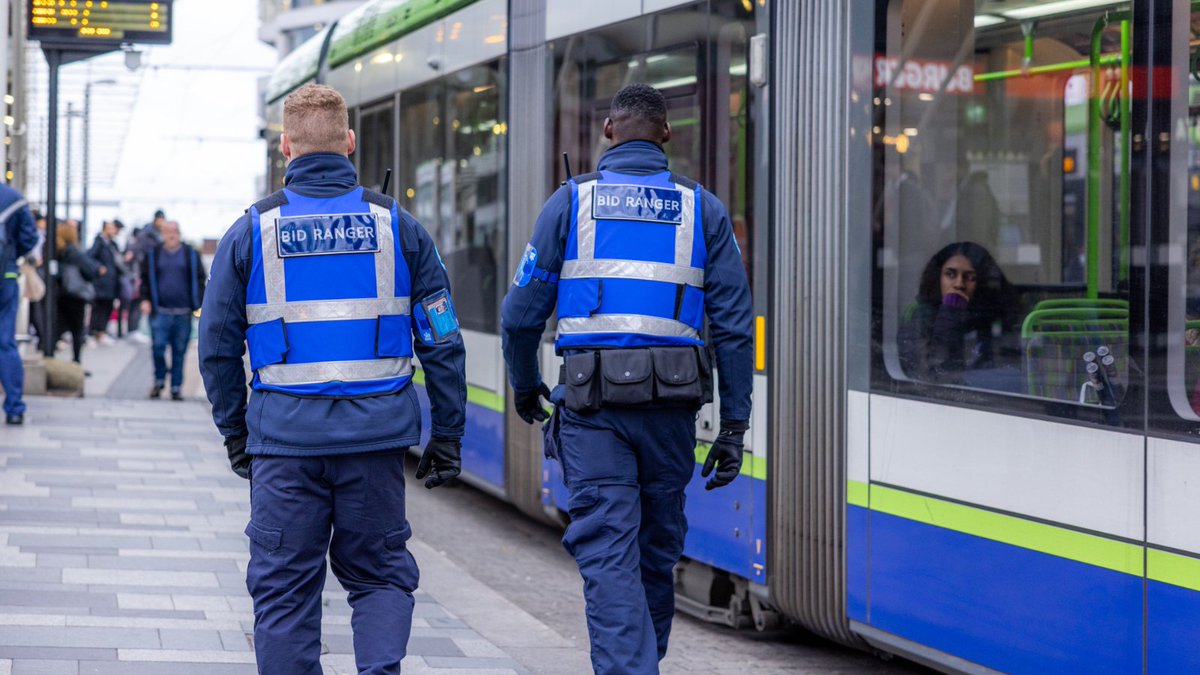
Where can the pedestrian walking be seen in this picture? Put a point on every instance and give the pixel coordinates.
(332, 308)
(173, 280)
(76, 273)
(18, 236)
(108, 284)
(36, 259)
(634, 256)
(141, 242)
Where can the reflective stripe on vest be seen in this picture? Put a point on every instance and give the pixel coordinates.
(381, 350)
(285, 374)
(665, 323)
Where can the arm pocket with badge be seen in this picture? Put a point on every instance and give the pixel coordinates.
(437, 321)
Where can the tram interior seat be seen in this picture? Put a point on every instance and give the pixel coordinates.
(1057, 336)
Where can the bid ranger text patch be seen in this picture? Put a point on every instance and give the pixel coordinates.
(638, 202)
(328, 234)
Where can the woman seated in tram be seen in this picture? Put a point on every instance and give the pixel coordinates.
(965, 312)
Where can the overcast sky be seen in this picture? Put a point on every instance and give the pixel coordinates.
(181, 133)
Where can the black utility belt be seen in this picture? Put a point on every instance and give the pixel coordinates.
(617, 378)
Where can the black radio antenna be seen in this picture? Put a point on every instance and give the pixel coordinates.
(387, 178)
(567, 166)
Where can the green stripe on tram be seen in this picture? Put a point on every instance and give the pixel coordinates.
(477, 395)
(1173, 568)
(856, 493)
(1041, 537)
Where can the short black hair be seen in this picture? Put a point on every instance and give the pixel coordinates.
(159, 214)
(641, 102)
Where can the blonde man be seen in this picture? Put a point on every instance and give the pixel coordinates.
(334, 288)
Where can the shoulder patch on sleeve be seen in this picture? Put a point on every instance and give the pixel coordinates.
(526, 267)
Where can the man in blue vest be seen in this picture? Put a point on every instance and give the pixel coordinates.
(327, 283)
(18, 236)
(635, 257)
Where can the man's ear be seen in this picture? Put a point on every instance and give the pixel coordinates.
(351, 142)
(666, 133)
(608, 128)
(285, 147)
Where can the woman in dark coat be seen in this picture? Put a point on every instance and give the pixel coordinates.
(108, 283)
(964, 306)
(73, 301)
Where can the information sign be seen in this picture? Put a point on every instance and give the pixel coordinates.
(78, 23)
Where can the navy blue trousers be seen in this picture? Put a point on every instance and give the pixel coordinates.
(295, 503)
(12, 371)
(626, 470)
(173, 330)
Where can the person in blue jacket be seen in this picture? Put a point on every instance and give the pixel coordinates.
(333, 289)
(635, 258)
(18, 237)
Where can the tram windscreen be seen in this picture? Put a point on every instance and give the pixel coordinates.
(1002, 138)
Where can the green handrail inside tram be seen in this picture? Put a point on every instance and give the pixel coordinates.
(1096, 62)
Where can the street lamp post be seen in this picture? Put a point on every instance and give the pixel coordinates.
(87, 148)
(71, 115)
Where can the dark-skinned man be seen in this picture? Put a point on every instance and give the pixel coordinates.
(634, 258)
(334, 289)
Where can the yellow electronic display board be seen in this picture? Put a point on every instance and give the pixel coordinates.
(79, 22)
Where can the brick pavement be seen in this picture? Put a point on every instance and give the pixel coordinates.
(121, 551)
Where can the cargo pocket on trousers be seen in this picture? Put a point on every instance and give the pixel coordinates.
(268, 343)
(626, 377)
(676, 375)
(267, 538)
(584, 537)
(581, 383)
(396, 538)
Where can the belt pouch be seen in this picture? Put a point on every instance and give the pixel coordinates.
(626, 377)
(581, 382)
(676, 375)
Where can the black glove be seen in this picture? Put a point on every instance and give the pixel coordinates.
(442, 460)
(529, 404)
(725, 454)
(238, 459)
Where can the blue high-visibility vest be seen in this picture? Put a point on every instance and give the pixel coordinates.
(328, 296)
(633, 269)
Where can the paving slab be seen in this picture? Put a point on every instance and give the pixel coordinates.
(124, 542)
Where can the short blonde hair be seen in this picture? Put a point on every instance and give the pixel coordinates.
(315, 120)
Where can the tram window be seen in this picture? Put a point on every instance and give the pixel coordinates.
(375, 144)
(453, 155)
(1183, 327)
(1004, 259)
(472, 234)
(697, 56)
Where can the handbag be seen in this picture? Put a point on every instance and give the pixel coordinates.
(75, 286)
(35, 288)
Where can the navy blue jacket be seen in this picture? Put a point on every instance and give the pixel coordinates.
(20, 232)
(280, 424)
(727, 293)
